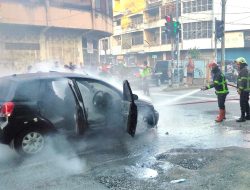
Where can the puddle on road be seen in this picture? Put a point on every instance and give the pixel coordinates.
(142, 173)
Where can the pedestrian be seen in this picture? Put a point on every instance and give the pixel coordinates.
(243, 88)
(145, 74)
(221, 90)
(190, 71)
(72, 67)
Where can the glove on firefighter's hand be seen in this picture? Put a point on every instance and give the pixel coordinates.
(204, 88)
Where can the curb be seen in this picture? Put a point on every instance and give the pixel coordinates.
(181, 88)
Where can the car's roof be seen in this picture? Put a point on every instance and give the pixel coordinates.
(43, 75)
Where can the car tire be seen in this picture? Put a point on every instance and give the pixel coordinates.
(30, 141)
(149, 122)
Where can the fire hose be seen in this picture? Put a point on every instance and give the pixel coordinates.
(208, 101)
(231, 85)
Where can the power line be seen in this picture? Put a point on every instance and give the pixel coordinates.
(205, 19)
(234, 6)
(232, 13)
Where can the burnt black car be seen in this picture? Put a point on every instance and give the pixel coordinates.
(36, 105)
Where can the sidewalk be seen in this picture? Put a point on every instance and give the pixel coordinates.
(175, 87)
(197, 84)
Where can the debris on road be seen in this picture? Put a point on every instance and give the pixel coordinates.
(178, 181)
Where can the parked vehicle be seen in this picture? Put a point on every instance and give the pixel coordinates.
(160, 72)
(35, 105)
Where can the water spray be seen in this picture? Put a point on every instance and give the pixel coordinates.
(170, 102)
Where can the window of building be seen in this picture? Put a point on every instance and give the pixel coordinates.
(197, 6)
(137, 20)
(75, 4)
(203, 5)
(153, 15)
(210, 4)
(117, 22)
(196, 30)
(164, 38)
(194, 6)
(118, 40)
(185, 7)
(98, 5)
(109, 8)
(104, 6)
(170, 9)
(126, 41)
(189, 5)
(137, 38)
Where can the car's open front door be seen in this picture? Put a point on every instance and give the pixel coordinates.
(129, 109)
(82, 124)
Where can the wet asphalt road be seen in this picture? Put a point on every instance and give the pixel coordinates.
(117, 161)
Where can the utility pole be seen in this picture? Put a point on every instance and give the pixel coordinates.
(215, 42)
(177, 43)
(223, 13)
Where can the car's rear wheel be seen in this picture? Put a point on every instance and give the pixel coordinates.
(30, 141)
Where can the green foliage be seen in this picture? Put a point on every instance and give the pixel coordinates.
(194, 53)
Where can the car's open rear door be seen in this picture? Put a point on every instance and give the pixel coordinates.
(129, 109)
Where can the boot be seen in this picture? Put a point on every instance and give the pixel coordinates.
(224, 114)
(221, 116)
(248, 117)
(242, 118)
(247, 112)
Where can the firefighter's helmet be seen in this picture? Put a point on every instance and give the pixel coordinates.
(212, 64)
(240, 60)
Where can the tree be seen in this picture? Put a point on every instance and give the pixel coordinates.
(194, 53)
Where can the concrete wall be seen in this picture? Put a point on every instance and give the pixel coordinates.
(41, 15)
(34, 32)
(22, 46)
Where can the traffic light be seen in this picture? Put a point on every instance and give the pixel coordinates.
(172, 28)
(168, 25)
(176, 28)
(219, 29)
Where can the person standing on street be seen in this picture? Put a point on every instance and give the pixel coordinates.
(243, 89)
(190, 71)
(145, 74)
(221, 90)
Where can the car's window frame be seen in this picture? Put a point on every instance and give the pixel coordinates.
(36, 91)
(120, 93)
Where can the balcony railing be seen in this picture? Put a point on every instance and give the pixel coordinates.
(152, 19)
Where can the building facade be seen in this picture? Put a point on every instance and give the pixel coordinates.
(140, 35)
(52, 30)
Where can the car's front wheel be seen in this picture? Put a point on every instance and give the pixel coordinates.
(149, 121)
(30, 141)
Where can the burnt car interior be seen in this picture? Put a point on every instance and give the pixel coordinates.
(57, 104)
(102, 103)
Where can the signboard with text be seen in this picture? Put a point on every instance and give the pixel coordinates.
(246, 38)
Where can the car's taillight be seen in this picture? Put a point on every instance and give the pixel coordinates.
(7, 109)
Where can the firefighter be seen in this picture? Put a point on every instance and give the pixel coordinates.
(221, 90)
(145, 74)
(243, 89)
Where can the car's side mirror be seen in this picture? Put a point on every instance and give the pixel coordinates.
(135, 97)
